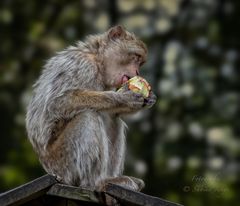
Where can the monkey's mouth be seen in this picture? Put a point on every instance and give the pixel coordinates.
(125, 78)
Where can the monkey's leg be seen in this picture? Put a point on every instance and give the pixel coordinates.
(88, 147)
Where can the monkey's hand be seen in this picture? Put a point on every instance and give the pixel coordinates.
(135, 101)
(150, 100)
(129, 101)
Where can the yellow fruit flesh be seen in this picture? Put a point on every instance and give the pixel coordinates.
(139, 85)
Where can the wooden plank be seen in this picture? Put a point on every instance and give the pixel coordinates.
(74, 193)
(47, 185)
(129, 197)
(125, 196)
(27, 191)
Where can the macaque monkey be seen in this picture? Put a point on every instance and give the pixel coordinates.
(73, 120)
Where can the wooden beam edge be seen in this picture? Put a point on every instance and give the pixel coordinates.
(136, 198)
(74, 193)
(47, 184)
(27, 191)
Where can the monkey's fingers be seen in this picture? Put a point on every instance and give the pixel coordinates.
(150, 101)
(140, 183)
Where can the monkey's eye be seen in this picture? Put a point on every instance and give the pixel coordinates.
(137, 58)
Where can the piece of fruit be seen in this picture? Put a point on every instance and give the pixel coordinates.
(138, 85)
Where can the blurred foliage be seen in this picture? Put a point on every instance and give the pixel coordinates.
(186, 148)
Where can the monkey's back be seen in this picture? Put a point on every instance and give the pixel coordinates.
(68, 70)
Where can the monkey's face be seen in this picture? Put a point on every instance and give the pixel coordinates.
(123, 58)
(120, 67)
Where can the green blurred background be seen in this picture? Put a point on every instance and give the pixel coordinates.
(187, 147)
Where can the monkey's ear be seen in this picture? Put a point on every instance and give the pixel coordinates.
(116, 32)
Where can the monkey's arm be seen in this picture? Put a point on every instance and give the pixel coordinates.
(80, 100)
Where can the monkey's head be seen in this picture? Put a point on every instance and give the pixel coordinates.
(123, 56)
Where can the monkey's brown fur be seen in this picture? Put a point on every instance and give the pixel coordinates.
(73, 119)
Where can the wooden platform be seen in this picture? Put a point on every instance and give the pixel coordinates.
(46, 191)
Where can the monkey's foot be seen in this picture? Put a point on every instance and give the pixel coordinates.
(59, 179)
(140, 183)
(132, 183)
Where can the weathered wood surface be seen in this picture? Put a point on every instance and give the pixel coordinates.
(47, 191)
(27, 191)
(74, 193)
(129, 197)
(125, 196)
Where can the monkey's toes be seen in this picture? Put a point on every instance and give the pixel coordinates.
(140, 183)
